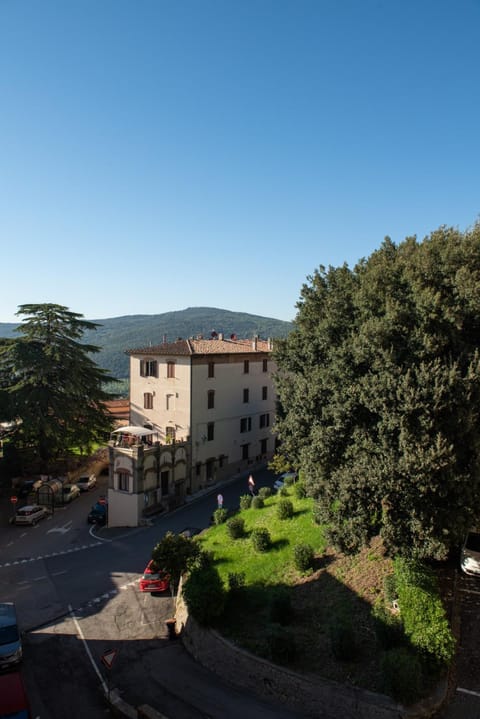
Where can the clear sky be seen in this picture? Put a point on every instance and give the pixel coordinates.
(157, 155)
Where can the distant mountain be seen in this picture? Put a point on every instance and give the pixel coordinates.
(117, 334)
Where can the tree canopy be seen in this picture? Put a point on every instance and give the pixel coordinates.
(175, 553)
(379, 391)
(53, 385)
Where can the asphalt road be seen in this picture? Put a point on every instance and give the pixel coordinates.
(76, 592)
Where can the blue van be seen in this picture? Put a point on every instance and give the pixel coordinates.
(10, 641)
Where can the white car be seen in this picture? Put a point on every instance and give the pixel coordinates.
(86, 482)
(30, 514)
(280, 481)
(70, 492)
(470, 557)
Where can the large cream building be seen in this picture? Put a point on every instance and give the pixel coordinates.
(208, 406)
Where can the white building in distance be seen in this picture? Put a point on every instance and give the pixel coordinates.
(208, 406)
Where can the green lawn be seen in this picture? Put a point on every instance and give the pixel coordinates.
(275, 566)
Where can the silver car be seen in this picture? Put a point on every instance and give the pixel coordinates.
(86, 482)
(30, 514)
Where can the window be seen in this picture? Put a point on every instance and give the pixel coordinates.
(170, 434)
(210, 399)
(245, 451)
(264, 420)
(265, 365)
(263, 446)
(246, 366)
(170, 370)
(246, 394)
(148, 368)
(198, 468)
(147, 400)
(170, 401)
(245, 424)
(210, 431)
(264, 392)
(211, 369)
(123, 481)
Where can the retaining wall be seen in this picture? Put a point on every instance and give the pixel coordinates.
(311, 695)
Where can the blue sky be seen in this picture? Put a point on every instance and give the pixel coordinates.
(160, 155)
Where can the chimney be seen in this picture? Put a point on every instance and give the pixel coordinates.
(254, 342)
(270, 343)
(220, 336)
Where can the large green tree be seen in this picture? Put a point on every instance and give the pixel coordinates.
(379, 389)
(54, 386)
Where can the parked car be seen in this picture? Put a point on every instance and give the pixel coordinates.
(284, 478)
(13, 697)
(98, 513)
(86, 482)
(10, 641)
(70, 492)
(470, 556)
(27, 486)
(30, 514)
(154, 579)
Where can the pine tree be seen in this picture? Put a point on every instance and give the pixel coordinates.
(55, 387)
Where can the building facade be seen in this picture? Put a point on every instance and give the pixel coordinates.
(207, 408)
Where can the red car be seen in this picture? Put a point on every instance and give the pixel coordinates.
(154, 579)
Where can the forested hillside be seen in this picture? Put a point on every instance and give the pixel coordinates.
(117, 334)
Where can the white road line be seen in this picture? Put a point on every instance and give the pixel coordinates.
(468, 691)
(87, 649)
(57, 574)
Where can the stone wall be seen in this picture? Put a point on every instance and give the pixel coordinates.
(311, 695)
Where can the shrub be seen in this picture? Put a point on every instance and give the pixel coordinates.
(289, 480)
(422, 611)
(390, 588)
(236, 527)
(280, 644)
(204, 594)
(220, 516)
(285, 509)
(283, 492)
(299, 490)
(236, 580)
(281, 610)
(265, 492)
(303, 557)
(261, 539)
(245, 501)
(257, 502)
(388, 627)
(402, 675)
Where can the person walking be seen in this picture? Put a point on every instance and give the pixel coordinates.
(251, 485)
(220, 501)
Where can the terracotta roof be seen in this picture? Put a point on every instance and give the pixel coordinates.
(204, 347)
(118, 408)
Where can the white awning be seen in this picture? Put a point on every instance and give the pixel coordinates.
(134, 431)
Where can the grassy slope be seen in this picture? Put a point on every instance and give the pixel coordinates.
(337, 584)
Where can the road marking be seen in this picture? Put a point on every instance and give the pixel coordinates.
(52, 554)
(63, 529)
(468, 691)
(57, 574)
(87, 649)
(470, 591)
